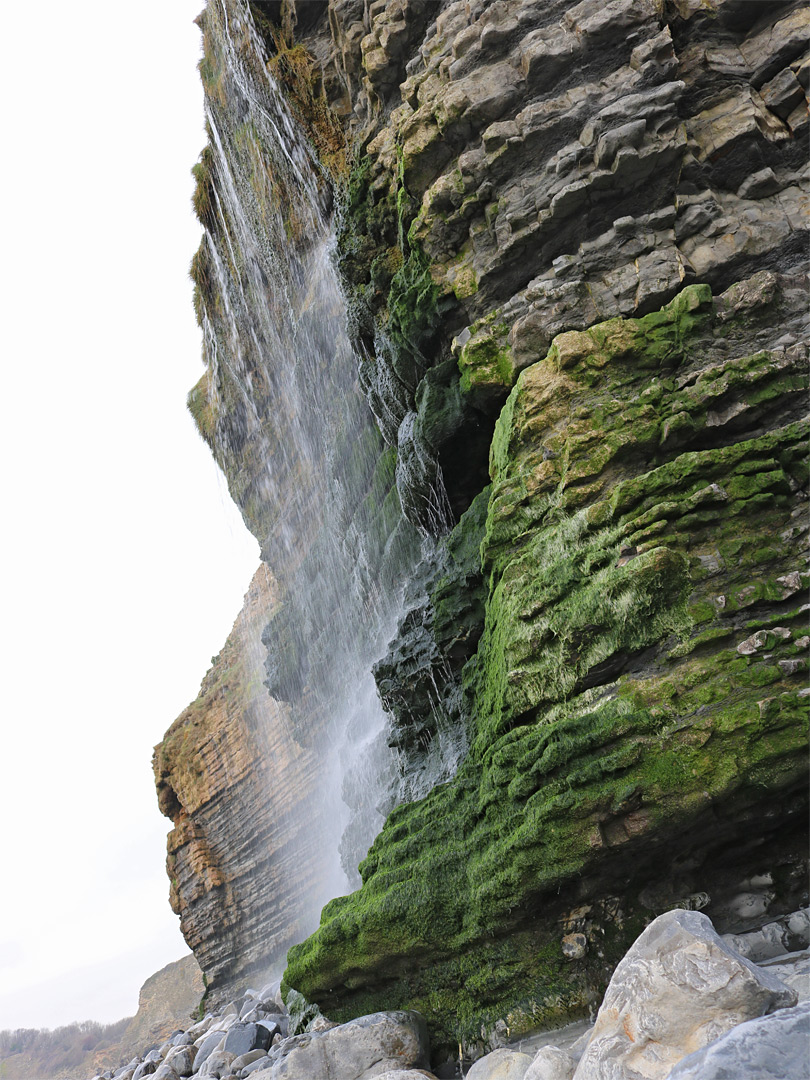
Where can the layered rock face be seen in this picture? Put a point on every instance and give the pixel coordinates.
(584, 222)
(570, 237)
(246, 868)
(546, 167)
(635, 707)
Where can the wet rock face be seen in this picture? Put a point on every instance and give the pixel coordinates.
(540, 168)
(634, 745)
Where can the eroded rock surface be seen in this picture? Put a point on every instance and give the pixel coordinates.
(626, 755)
(546, 167)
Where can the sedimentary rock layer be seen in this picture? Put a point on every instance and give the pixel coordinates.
(245, 866)
(636, 717)
(524, 169)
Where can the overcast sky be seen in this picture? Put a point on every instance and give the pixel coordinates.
(123, 562)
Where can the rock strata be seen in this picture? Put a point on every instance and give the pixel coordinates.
(537, 215)
(242, 868)
(639, 475)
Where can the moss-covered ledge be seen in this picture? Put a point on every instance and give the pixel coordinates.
(636, 723)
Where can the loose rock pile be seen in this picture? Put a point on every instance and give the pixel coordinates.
(683, 1004)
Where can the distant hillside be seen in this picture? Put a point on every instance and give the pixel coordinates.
(78, 1051)
(31, 1054)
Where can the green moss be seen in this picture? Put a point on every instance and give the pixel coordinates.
(203, 200)
(484, 361)
(413, 314)
(609, 710)
(202, 409)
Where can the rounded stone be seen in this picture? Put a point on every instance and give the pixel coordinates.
(551, 1063)
(242, 1038)
(208, 1045)
(574, 946)
(501, 1064)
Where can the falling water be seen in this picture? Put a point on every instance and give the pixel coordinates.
(282, 410)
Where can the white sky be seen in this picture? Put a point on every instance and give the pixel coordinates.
(123, 562)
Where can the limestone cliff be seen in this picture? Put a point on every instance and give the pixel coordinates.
(571, 238)
(243, 865)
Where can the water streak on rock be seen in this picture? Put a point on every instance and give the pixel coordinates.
(282, 410)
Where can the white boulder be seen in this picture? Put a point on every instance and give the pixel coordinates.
(551, 1063)
(501, 1065)
(678, 989)
(362, 1048)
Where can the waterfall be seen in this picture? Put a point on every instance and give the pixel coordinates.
(282, 409)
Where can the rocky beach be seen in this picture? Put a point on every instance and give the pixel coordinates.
(683, 1004)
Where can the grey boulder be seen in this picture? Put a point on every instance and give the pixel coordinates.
(182, 1059)
(775, 1047)
(242, 1038)
(551, 1063)
(358, 1050)
(146, 1068)
(678, 989)
(200, 1028)
(217, 1064)
(788, 934)
(258, 1065)
(165, 1072)
(208, 1045)
(276, 1023)
(794, 971)
(501, 1064)
(244, 1060)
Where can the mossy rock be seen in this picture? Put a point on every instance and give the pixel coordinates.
(627, 740)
